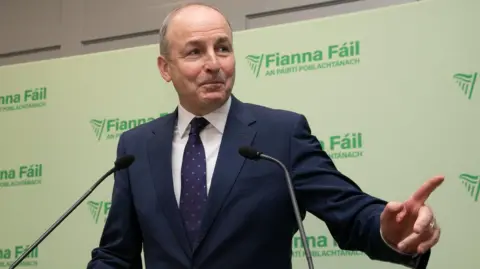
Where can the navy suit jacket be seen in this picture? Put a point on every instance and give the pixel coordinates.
(249, 220)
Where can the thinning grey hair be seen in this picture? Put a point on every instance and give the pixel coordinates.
(163, 41)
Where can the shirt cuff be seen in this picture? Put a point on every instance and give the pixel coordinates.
(415, 257)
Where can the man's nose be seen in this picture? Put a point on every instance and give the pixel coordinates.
(212, 64)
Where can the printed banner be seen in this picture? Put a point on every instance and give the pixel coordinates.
(393, 95)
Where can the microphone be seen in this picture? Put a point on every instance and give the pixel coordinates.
(253, 154)
(120, 164)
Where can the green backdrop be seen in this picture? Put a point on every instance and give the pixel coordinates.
(393, 94)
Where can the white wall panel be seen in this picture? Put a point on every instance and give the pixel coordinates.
(44, 29)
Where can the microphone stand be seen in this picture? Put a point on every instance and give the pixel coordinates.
(61, 219)
(301, 229)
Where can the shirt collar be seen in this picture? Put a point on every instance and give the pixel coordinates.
(217, 118)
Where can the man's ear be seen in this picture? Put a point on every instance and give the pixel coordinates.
(163, 67)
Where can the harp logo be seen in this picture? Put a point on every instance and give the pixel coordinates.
(255, 63)
(112, 128)
(466, 83)
(99, 210)
(471, 184)
(277, 63)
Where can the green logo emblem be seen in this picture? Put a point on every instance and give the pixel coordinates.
(466, 82)
(472, 184)
(9, 255)
(108, 129)
(22, 175)
(30, 98)
(320, 246)
(276, 63)
(255, 63)
(99, 210)
(349, 145)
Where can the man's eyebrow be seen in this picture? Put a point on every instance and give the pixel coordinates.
(193, 43)
(196, 42)
(223, 39)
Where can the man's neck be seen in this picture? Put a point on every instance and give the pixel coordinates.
(203, 110)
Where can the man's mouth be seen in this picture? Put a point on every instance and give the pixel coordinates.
(211, 83)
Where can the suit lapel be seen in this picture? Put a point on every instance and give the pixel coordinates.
(237, 133)
(160, 156)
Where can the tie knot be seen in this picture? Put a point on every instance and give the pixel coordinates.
(197, 125)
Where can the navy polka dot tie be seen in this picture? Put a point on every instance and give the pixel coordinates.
(194, 180)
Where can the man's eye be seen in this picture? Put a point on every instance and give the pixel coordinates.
(224, 49)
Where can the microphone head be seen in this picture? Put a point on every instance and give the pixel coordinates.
(124, 162)
(249, 153)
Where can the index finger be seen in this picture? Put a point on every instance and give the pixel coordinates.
(422, 194)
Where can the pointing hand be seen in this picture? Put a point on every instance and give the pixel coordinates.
(410, 226)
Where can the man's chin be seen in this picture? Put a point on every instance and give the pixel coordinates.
(214, 96)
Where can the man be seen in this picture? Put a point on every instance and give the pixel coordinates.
(194, 202)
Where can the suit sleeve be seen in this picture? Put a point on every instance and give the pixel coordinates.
(121, 242)
(352, 216)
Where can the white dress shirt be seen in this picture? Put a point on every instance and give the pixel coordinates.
(211, 137)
